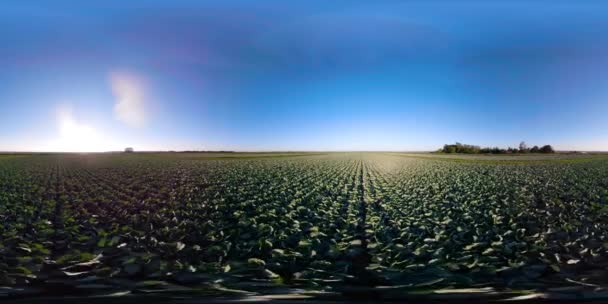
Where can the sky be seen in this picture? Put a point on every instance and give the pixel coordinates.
(302, 75)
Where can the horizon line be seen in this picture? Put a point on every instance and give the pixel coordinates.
(263, 151)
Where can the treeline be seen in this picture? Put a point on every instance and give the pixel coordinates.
(471, 149)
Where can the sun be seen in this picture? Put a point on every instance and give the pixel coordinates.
(75, 136)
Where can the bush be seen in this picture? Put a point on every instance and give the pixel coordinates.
(547, 149)
(461, 148)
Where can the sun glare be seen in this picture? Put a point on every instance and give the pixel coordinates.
(75, 136)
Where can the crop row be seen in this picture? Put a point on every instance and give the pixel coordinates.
(371, 219)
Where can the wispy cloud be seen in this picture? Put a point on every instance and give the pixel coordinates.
(129, 106)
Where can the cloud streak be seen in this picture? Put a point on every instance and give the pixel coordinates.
(129, 106)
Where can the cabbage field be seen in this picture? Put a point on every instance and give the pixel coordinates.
(331, 222)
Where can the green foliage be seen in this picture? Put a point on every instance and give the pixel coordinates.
(312, 220)
(546, 149)
(471, 149)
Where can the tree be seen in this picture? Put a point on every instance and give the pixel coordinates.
(129, 150)
(547, 149)
(450, 149)
(522, 147)
(535, 149)
(472, 149)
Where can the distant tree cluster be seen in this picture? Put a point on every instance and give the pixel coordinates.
(471, 149)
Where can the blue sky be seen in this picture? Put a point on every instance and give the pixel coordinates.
(309, 75)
